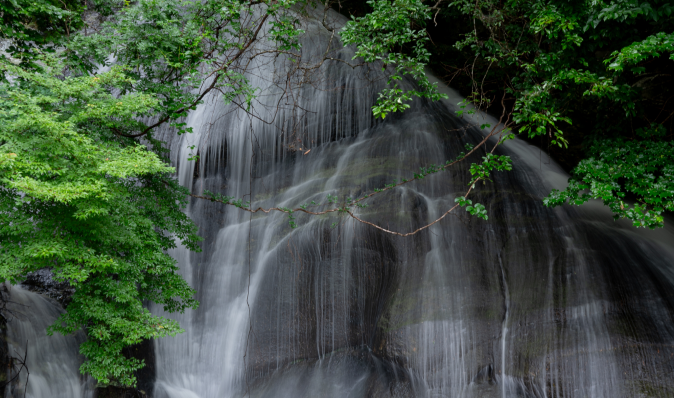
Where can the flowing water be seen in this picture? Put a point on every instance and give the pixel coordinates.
(534, 302)
(51, 362)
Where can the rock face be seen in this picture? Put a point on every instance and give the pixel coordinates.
(42, 282)
(146, 376)
(534, 302)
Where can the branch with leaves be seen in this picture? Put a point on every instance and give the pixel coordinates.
(479, 172)
(585, 67)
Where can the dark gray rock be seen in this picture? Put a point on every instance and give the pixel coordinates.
(42, 281)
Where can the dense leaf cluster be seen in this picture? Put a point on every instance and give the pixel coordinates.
(593, 75)
(80, 192)
(99, 210)
(385, 35)
(29, 24)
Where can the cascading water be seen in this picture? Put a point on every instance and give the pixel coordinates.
(534, 302)
(51, 362)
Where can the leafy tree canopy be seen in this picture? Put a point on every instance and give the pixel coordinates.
(98, 209)
(593, 74)
(79, 193)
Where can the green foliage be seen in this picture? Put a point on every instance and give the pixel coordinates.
(626, 10)
(618, 168)
(477, 209)
(98, 209)
(490, 162)
(652, 46)
(482, 171)
(581, 66)
(179, 51)
(79, 192)
(385, 36)
(230, 200)
(31, 24)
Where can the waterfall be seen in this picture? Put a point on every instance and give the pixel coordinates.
(51, 362)
(534, 302)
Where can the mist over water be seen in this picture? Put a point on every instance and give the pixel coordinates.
(534, 302)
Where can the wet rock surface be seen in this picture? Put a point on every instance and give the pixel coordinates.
(347, 372)
(42, 281)
(533, 302)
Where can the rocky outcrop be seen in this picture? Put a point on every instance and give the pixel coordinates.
(42, 281)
